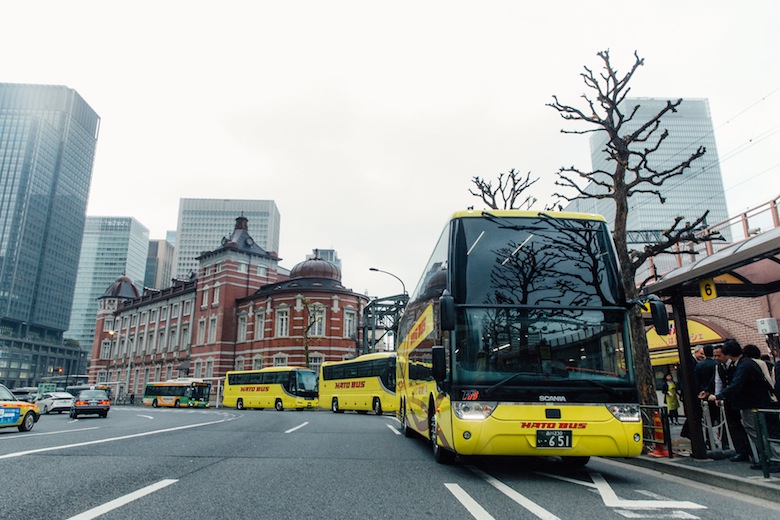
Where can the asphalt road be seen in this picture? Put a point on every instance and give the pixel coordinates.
(229, 464)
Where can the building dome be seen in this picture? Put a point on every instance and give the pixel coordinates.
(122, 288)
(316, 268)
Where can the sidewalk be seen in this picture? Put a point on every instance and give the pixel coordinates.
(723, 473)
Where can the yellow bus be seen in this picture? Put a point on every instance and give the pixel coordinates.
(516, 341)
(183, 392)
(364, 383)
(273, 387)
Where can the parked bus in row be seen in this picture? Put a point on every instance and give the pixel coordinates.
(361, 384)
(183, 392)
(516, 341)
(272, 387)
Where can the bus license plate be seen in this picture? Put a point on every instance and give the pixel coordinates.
(553, 438)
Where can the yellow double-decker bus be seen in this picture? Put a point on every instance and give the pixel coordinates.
(272, 387)
(183, 392)
(516, 341)
(364, 383)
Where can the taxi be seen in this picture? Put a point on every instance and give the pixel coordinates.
(16, 413)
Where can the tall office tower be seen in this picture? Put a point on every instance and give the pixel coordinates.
(698, 189)
(112, 247)
(159, 265)
(203, 221)
(48, 136)
(330, 255)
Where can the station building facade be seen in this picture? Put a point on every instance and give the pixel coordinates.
(241, 311)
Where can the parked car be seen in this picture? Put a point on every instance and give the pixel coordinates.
(54, 402)
(14, 412)
(90, 402)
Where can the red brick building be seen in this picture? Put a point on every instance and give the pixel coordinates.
(241, 311)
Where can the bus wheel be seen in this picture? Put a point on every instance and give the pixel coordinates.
(240, 404)
(279, 406)
(154, 404)
(334, 405)
(574, 462)
(441, 455)
(408, 432)
(377, 406)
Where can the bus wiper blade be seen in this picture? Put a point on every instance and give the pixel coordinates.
(608, 388)
(504, 381)
(502, 222)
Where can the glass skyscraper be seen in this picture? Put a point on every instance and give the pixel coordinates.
(48, 135)
(698, 189)
(112, 247)
(202, 223)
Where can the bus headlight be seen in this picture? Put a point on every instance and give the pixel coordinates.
(473, 410)
(625, 412)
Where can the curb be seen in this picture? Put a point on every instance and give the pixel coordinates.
(768, 489)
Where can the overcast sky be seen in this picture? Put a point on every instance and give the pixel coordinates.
(366, 121)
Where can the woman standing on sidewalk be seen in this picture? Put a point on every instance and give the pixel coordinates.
(671, 399)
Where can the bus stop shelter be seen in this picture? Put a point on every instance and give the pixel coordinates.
(747, 269)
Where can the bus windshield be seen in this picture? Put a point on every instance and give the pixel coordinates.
(307, 382)
(540, 347)
(534, 261)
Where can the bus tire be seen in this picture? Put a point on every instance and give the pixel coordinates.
(279, 406)
(28, 422)
(575, 462)
(441, 455)
(377, 406)
(407, 431)
(155, 404)
(334, 405)
(239, 404)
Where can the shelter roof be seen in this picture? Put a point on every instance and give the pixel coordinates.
(748, 269)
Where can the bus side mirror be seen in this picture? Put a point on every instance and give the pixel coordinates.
(660, 317)
(447, 311)
(439, 364)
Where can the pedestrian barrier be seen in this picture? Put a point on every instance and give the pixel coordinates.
(768, 435)
(656, 433)
(716, 433)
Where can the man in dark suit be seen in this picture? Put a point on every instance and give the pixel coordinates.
(746, 391)
(705, 382)
(723, 376)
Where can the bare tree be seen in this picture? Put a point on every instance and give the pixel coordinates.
(629, 148)
(510, 188)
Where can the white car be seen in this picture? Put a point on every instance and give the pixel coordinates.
(54, 402)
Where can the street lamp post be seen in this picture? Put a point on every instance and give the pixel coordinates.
(404, 300)
(391, 274)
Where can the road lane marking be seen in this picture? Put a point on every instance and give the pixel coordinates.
(297, 427)
(145, 416)
(110, 439)
(610, 498)
(528, 504)
(28, 435)
(471, 505)
(119, 502)
(681, 515)
(393, 429)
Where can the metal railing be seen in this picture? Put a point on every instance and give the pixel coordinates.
(768, 434)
